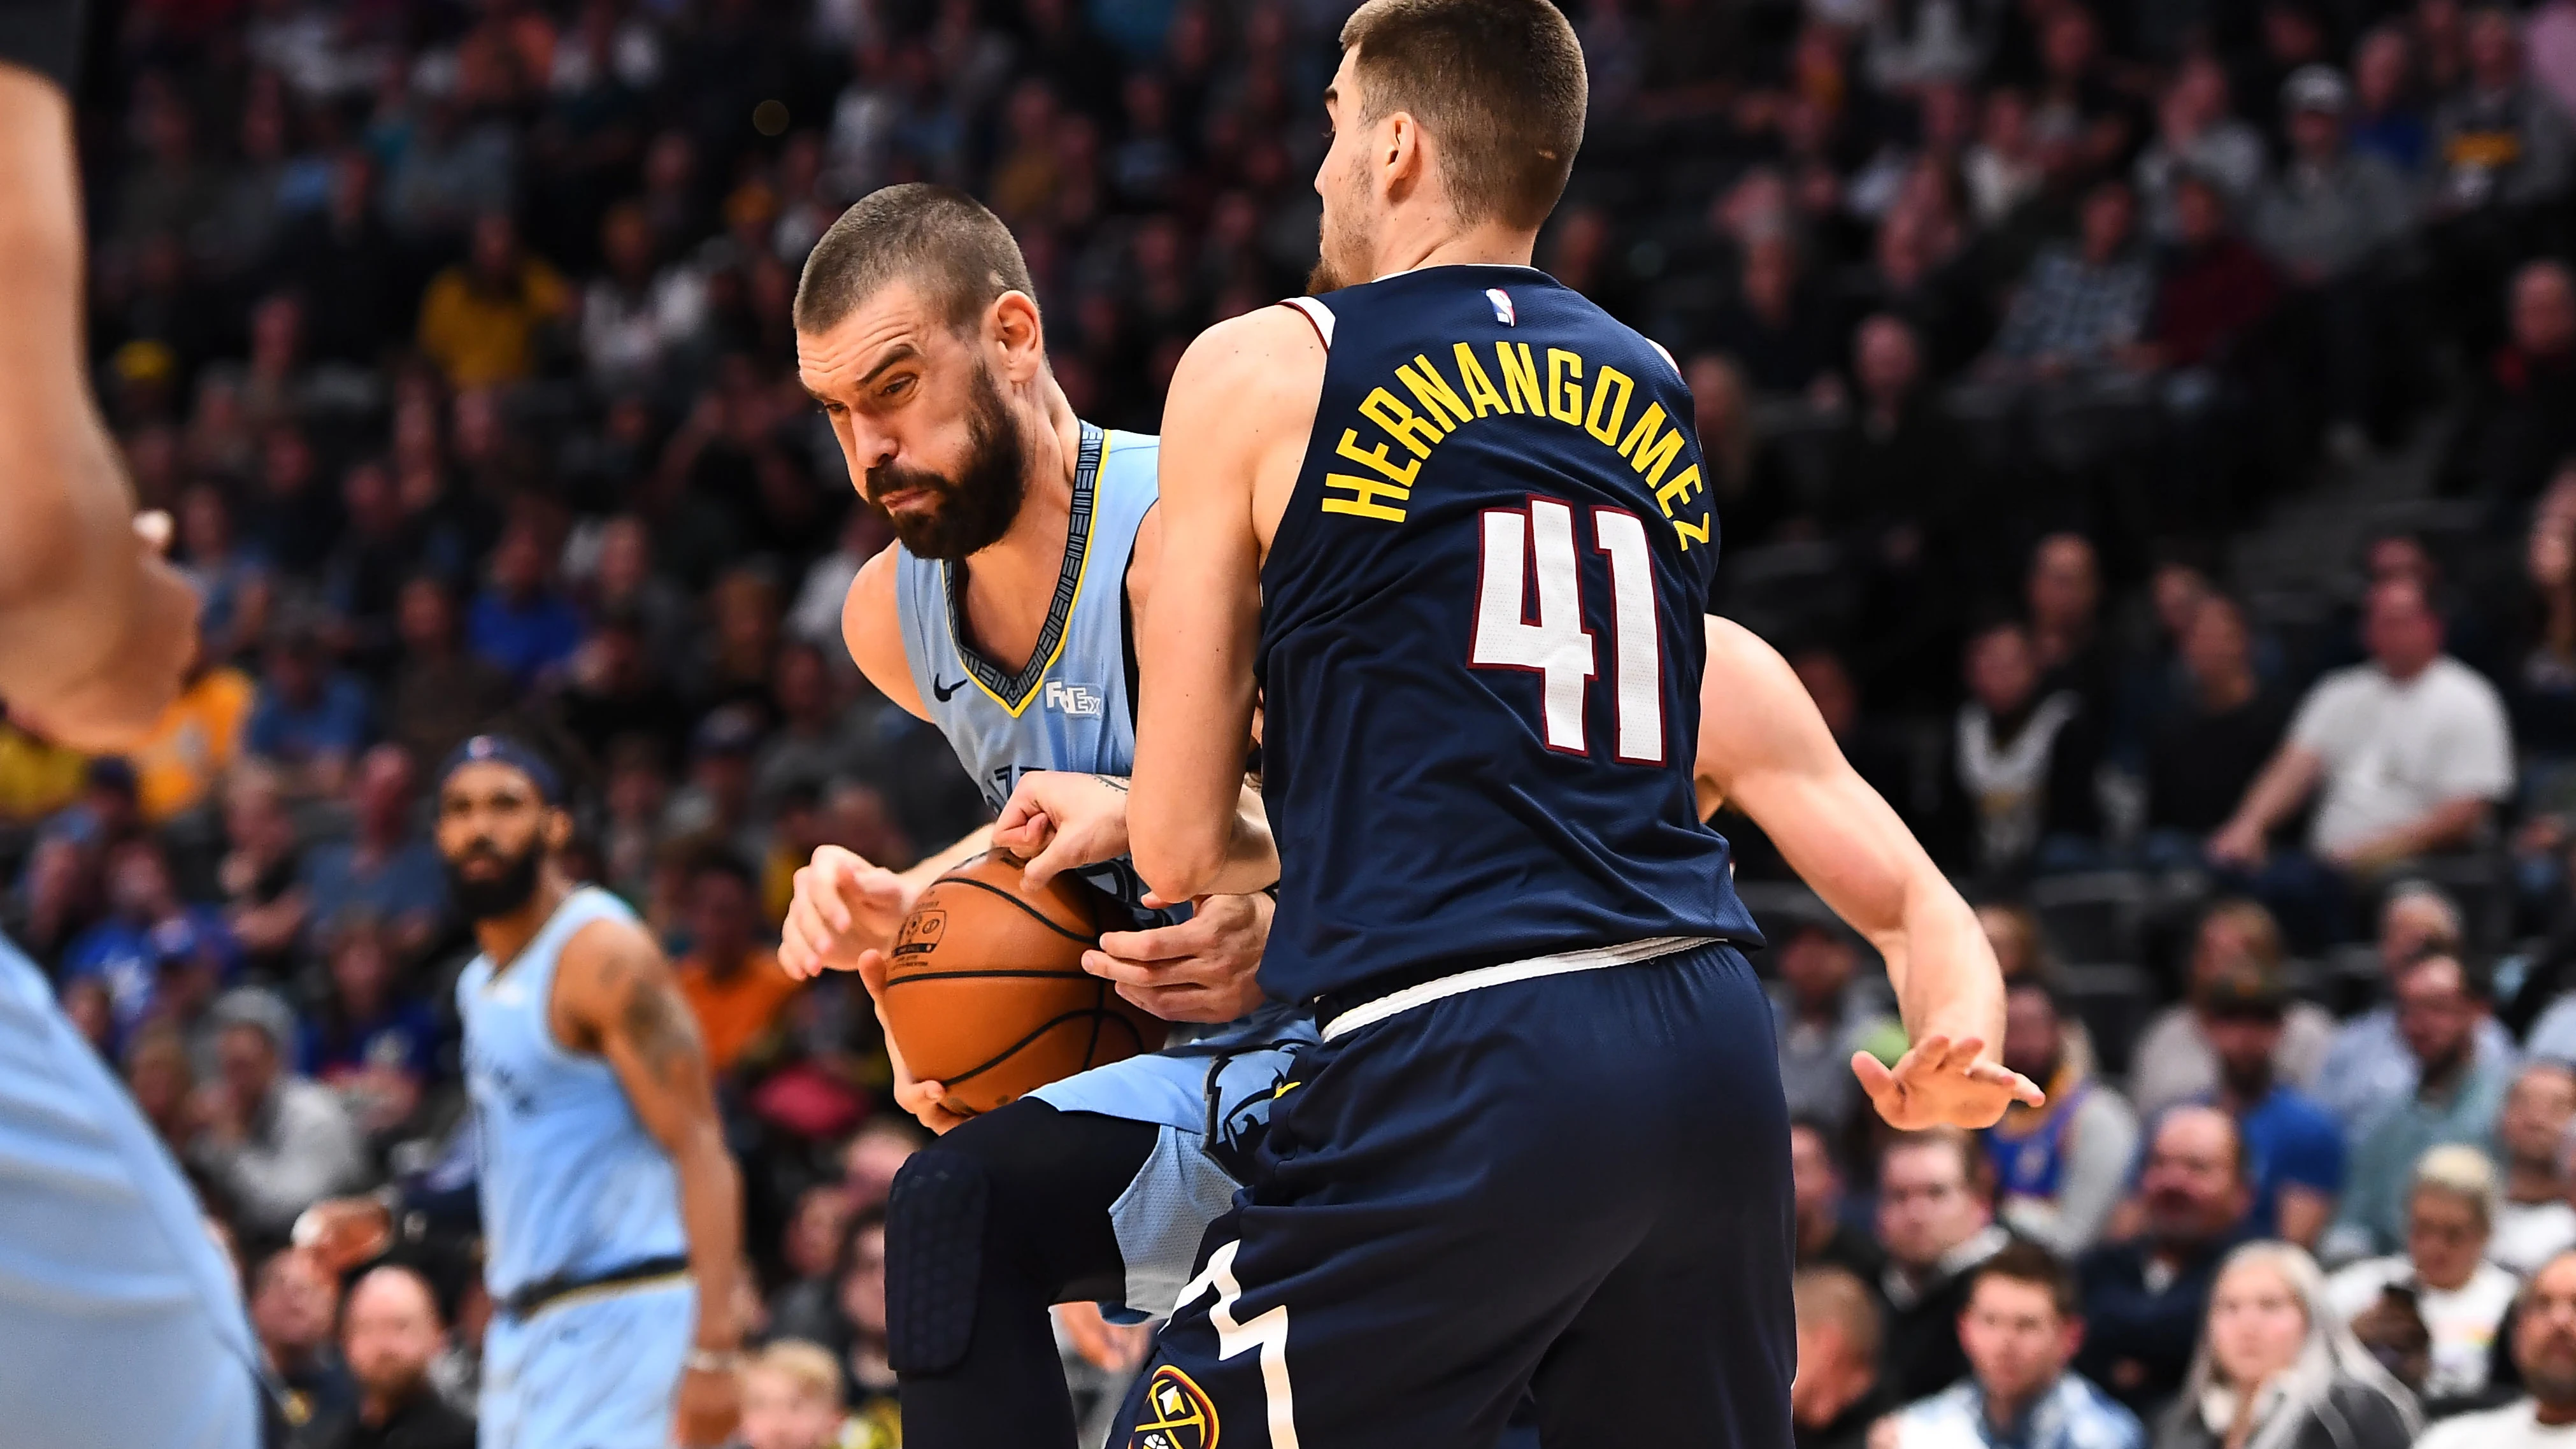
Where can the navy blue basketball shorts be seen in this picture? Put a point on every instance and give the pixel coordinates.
(1569, 1192)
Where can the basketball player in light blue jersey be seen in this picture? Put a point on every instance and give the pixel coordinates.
(121, 1321)
(1027, 543)
(612, 1214)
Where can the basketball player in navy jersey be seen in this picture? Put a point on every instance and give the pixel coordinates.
(121, 1321)
(1450, 523)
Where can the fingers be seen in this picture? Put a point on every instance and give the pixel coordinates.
(1163, 943)
(871, 967)
(2022, 1089)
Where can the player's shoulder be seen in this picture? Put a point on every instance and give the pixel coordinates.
(1250, 356)
(605, 957)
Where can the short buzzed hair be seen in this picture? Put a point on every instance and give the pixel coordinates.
(938, 238)
(1500, 83)
(1832, 1295)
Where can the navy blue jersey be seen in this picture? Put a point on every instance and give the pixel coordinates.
(1481, 641)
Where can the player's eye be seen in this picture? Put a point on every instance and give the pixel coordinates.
(897, 388)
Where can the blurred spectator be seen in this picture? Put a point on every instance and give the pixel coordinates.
(1775, 327)
(157, 957)
(1825, 1237)
(791, 1399)
(2144, 1300)
(803, 1307)
(2460, 1294)
(2196, 136)
(157, 1072)
(481, 319)
(2021, 763)
(197, 740)
(1824, 1014)
(311, 719)
(1898, 486)
(520, 622)
(1836, 1395)
(2544, 1356)
(732, 982)
(275, 1142)
(2059, 1169)
(615, 688)
(2521, 420)
(2407, 756)
(2387, 122)
(231, 580)
(2063, 590)
(390, 1334)
(2213, 289)
(861, 1342)
(440, 693)
(2177, 1058)
(813, 744)
(638, 316)
(2277, 1369)
(262, 875)
(2459, 1089)
(868, 1165)
(1936, 1220)
(2020, 1328)
(388, 869)
(2081, 306)
(2533, 1221)
(2500, 138)
(2368, 1069)
(2208, 745)
(294, 1301)
(371, 1042)
(2295, 1149)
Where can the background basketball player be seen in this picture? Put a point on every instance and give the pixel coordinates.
(122, 1321)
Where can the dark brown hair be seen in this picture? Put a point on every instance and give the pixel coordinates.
(2024, 1261)
(1499, 83)
(936, 237)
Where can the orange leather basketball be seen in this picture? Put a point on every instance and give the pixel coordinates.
(985, 991)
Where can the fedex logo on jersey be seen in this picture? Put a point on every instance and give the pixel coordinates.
(1504, 311)
(1078, 700)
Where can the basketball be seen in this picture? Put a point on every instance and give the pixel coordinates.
(985, 991)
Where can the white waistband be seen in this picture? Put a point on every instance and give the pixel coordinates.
(1591, 958)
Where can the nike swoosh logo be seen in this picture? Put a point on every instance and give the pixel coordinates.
(944, 690)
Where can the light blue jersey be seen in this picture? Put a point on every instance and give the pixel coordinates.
(121, 1323)
(1073, 708)
(572, 1184)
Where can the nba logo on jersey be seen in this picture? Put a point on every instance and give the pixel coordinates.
(1079, 700)
(1503, 309)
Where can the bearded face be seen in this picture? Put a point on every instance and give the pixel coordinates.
(944, 517)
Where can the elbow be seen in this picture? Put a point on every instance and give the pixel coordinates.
(1178, 870)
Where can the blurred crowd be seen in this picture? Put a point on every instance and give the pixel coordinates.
(455, 336)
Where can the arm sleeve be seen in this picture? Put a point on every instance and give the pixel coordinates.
(2480, 761)
(2312, 1160)
(43, 36)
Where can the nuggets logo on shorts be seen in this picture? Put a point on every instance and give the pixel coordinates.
(921, 933)
(1176, 1415)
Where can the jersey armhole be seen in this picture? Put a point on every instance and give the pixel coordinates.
(1317, 314)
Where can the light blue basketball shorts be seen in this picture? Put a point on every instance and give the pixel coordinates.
(1223, 1082)
(590, 1371)
(121, 1322)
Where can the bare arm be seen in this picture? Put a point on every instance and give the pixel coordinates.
(1763, 746)
(1234, 426)
(2275, 795)
(873, 629)
(95, 630)
(618, 994)
(2451, 823)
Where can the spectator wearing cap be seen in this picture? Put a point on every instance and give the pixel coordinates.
(733, 984)
(2459, 1089)
(311, 719)
(391, 1333)
(1836, 1395)
(157, 957)
(2144, 1299)
(2460, 1294)
(2020, 1327)
(2060, 1168)
(2277, 1369)
(1822, 1015)
(2176, 1057)
(2327, 220)
(1824, 1236)
(2544, 1357)
(2533, 1221)
(273, 1141)
(2405, 756)
(1936, 1221)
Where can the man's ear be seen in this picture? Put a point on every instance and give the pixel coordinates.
(1402, 163)
(558, 829)
(1015, 329)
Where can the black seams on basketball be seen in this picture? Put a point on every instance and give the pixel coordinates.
(985, 991)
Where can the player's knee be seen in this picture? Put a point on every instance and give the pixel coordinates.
(935, 1218)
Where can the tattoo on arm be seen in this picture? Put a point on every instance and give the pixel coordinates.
(1114, 782)
(659, 1026)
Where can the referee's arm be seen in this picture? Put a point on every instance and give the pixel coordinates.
(95, 629)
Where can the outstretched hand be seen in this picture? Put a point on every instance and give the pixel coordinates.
(1940, 1082)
